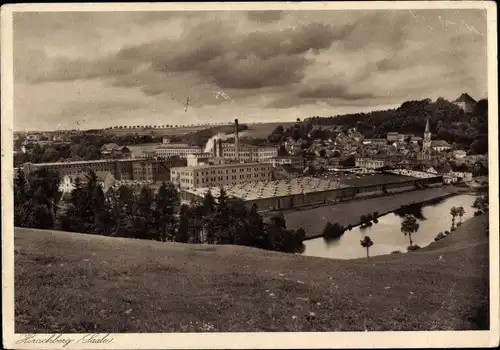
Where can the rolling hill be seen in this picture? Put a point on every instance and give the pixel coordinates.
(70, 282)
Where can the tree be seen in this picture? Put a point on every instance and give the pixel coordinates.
(461, 212)
(453, 213)
(367, 243)
(165, 203)
(409, 225)
(20, 198)
(182, 234)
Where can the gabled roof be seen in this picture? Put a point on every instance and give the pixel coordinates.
(439, 143)
(465, 98)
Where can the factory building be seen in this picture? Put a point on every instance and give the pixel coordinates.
(219, 174)
(306, 191)
(176, 149)
(122, 169)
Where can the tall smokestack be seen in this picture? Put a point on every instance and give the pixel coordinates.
(220, 149)
(215, 148)
(236, 140)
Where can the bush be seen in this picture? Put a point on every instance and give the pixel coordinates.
(375, 214)
(440, 236)
(375, 221)
(349, 227)
(453, 229)
(447, 232)
(459, 223)
(396, 252)
(477, 213)
(411, 248)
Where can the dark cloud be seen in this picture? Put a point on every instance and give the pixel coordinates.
(265, 16)
(251, 61)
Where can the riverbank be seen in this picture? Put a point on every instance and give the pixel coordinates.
(313, 220)
(145, 286)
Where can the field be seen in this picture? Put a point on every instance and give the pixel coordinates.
(263, 130)
(67, 282)
(313, 220)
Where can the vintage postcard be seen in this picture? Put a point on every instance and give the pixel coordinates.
(250, 175)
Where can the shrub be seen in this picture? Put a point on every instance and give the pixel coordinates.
(447, 232)
(349, 227)
(411, 248)
(375, 221)
(440, 236)
(459, 223)
(477, 213)
(453, 229)
(396, 252)
(375, 214)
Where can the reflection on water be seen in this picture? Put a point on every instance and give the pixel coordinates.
(433, 218)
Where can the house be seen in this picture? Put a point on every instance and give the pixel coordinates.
(33, 137)
(416, 139)
(440, 146)
(392, 136)
(115, 151)
(449, 179)
(165, 139)
(374, 141)
(104, 178)
(466, 103)
(459, 154)
(462, 176)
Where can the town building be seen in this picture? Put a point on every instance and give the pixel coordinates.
(294, 161)
(220, 174)
(440, 146)
(176, 149)
(392, 136)
(426, 143)
(369, 163)
(104, 178)
(248, 153)
(465, 102)
(165, 140)
(459, 154)
(115, 151)
(379, 142)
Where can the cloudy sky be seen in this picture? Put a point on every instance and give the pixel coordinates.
(119, 68)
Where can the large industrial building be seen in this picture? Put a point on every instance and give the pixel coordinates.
(176, 149)
(305, 191)
(150, 170)
(219, 174)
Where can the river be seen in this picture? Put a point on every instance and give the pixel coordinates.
(386, 234)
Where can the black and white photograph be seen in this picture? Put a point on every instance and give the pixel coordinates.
(243, 175)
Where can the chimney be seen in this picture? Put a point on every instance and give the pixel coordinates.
(236, 140)
(220, 149)
(215, 148)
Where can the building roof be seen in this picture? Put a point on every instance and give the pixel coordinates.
(271, 189)
(217, 166)
(83, 162)
(177, 145)
(465, 98)
(439, 143)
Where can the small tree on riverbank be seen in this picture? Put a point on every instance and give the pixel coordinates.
(367, 243)
(454, 214)
(461, 213)
(409, 225)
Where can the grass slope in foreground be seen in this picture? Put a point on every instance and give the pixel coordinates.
(66, 282)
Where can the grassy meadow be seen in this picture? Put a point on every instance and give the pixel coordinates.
(67, 282)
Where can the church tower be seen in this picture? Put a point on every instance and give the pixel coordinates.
(426, 145)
